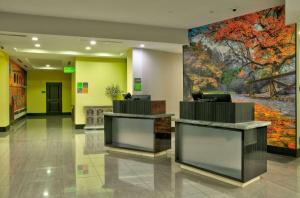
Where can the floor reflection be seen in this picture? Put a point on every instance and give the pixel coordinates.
(130, 176)
(47, 157)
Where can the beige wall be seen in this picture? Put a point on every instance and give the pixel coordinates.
(99, 73)
(161, 74)
(4, 89)
(36, 90)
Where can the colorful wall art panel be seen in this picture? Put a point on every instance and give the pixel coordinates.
(83, 87)
(17, 88)
(253, 58)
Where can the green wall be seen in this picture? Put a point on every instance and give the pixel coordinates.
(36, 85)
(99, 73)
(4, 89)
(129, 71)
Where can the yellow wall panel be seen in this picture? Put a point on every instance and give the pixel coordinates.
(4, 89)
(99, 73)
(36, 85)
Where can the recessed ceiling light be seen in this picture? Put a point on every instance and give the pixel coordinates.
(37, 45)
(88, 48)
(45, 194)
(49, 171)
(48, 65)
(35, 38)
(93, 42)
(15, 49)
(142, 45)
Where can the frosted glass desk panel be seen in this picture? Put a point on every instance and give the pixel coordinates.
(137, 133)
(214, 149)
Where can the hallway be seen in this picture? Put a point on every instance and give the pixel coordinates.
(46, 157)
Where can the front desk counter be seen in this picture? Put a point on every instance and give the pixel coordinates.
(231, 152)
(150, 134)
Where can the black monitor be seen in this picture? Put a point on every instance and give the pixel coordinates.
(197, 95)
(218, 97)
(127, 96)
(141, 97)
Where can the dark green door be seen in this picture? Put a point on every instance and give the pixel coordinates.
(54, 98)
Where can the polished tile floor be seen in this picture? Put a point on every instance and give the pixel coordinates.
(46, 157)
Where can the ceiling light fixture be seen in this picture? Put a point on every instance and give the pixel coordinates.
(142, 45)
(37, 45)
(49, 171)
(45, 193)
(35, 38)
(48, 65)
(88, 48)
(93, 42)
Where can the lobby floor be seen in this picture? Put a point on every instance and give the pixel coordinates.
(46, 157)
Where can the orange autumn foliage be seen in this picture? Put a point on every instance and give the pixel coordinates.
(268, 41)
(282, 132)
(200, 60)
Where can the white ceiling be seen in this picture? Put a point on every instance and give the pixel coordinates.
(165, 13)
(57, 51)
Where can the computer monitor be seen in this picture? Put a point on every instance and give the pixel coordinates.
(197, 95)
(218, 97)
(127, 96)
(141, 97)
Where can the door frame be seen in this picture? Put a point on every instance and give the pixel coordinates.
(48, 84)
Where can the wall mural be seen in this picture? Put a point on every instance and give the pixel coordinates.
(17, 89)
(253, 58)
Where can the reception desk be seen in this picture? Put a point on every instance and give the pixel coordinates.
(136, 132)
(231, 152)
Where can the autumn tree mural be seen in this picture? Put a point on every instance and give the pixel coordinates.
(253, 58)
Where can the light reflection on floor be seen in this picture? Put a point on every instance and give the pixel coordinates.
(46, 157)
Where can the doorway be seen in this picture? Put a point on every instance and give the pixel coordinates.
(54, 98)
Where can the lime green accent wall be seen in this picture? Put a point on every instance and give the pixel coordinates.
(4, 89)
(129, 71)
(73, 90)
(36, 84)
(99, 73)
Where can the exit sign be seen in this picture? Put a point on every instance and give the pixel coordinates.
(69, 70)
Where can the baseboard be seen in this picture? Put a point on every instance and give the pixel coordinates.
(4, 129)
(36, 114)
(66, 113)
(283, 151)
(45, 114)
(79, 126)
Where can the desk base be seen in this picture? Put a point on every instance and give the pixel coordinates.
(218, 177)
(136, 153)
